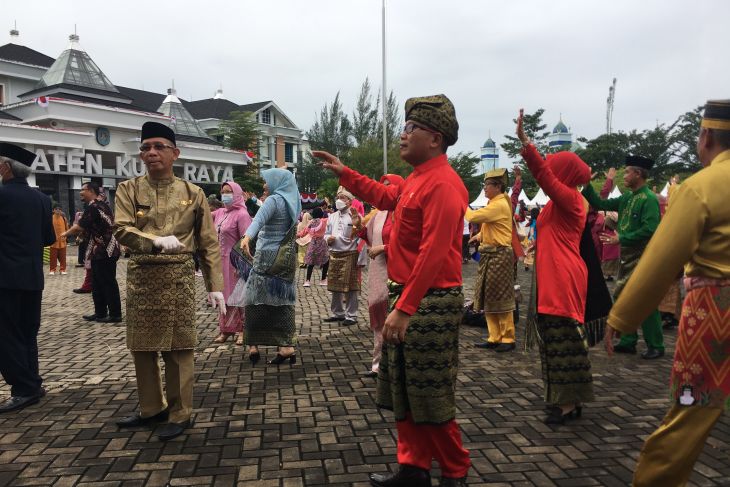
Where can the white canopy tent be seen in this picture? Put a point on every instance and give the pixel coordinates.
(665, 191)
(480, 201)
(540, 198)
(615, 193)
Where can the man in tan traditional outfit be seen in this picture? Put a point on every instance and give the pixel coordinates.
(343, 275)
(494, 289)
(695, 233)
(162, 220)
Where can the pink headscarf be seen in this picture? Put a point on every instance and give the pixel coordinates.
(238, 202)
(359, 207)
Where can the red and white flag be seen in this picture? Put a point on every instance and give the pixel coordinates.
(42, 101)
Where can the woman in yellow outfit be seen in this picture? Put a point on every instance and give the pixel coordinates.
(494, 289)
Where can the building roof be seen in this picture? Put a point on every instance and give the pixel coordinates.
(21, 54)
(7, 116)
(182, 121)
(561, 128)
(147, 100)
(489, 143)
(75, 67)
(254, 107)
(218, 108)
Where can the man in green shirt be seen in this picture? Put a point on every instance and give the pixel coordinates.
(638, 218)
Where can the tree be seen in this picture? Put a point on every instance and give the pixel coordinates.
(365, 117)
(465, 164)
(332, 132)
(241, 132)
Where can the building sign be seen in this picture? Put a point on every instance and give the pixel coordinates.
(81, 163)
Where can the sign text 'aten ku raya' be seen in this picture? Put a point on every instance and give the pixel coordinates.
(76, 161)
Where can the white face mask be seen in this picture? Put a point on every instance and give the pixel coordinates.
(227, 199)
(341, 205)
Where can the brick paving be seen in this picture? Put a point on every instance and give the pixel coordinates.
(316, 423)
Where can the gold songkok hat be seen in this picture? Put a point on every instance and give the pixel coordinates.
(498, 174)
(717, 115)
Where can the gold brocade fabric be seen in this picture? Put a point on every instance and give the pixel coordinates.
(161, 303)
(145, 209)
(343, 275)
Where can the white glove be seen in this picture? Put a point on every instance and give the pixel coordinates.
(218, 301)
(169, 244)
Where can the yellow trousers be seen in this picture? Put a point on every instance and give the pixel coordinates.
(501, 327)
(670, 453)
(178, 381)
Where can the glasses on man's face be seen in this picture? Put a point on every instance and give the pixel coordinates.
(158, 146)
(410, 127)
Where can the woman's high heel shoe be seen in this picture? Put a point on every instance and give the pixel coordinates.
(254, 357)
(283, 358)
(556, 416)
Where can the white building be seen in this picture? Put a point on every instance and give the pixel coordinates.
(83, 127)
(489, 155)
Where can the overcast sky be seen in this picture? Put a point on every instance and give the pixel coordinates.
(489, 57)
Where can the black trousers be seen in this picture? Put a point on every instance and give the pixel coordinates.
(82, 251)
(465, 255)
(104, 287)
(20, 320)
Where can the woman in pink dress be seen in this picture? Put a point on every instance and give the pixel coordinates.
(231, 223)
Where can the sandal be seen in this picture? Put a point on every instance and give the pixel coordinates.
(239, 339)
(221, 338)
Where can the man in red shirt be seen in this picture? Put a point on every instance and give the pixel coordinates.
(417, 376)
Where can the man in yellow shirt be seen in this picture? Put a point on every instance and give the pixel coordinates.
(494, 289)
(695, 233)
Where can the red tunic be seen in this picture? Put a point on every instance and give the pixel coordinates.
(562, 277)
(425, 243)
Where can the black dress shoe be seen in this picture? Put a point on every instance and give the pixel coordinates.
(173, 430)
(487, 345)
(93, 317)
(506, 347)
(371, 375)
(110, 319)
(349, 322)
(333, 319)
(137, 420)
(406, 476)
(449, 482)
(652, 353)
(82, 291)
(624, 349)
(13, 403)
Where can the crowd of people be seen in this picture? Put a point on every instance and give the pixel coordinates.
(415, 239)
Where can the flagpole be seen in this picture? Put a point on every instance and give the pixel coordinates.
(385, 117)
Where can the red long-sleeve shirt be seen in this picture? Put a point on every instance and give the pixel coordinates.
(425, 243)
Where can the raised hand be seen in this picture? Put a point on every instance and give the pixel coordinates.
(521, 128)
(329, 161)
(611, 173)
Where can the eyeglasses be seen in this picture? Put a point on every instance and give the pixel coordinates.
(158, 146)
(410, 127)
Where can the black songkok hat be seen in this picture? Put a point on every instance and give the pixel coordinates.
(717, 115)
(17, 153)
(639, 161)
(154, 129)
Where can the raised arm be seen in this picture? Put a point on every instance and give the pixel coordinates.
(381, 196)
(559, 193)
(598, 203)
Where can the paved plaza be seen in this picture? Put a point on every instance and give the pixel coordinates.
(316, 423)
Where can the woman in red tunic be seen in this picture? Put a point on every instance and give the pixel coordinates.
(561, 280)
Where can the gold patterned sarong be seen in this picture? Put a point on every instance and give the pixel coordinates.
(494, 290)
(161, 303)
(343, 275)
